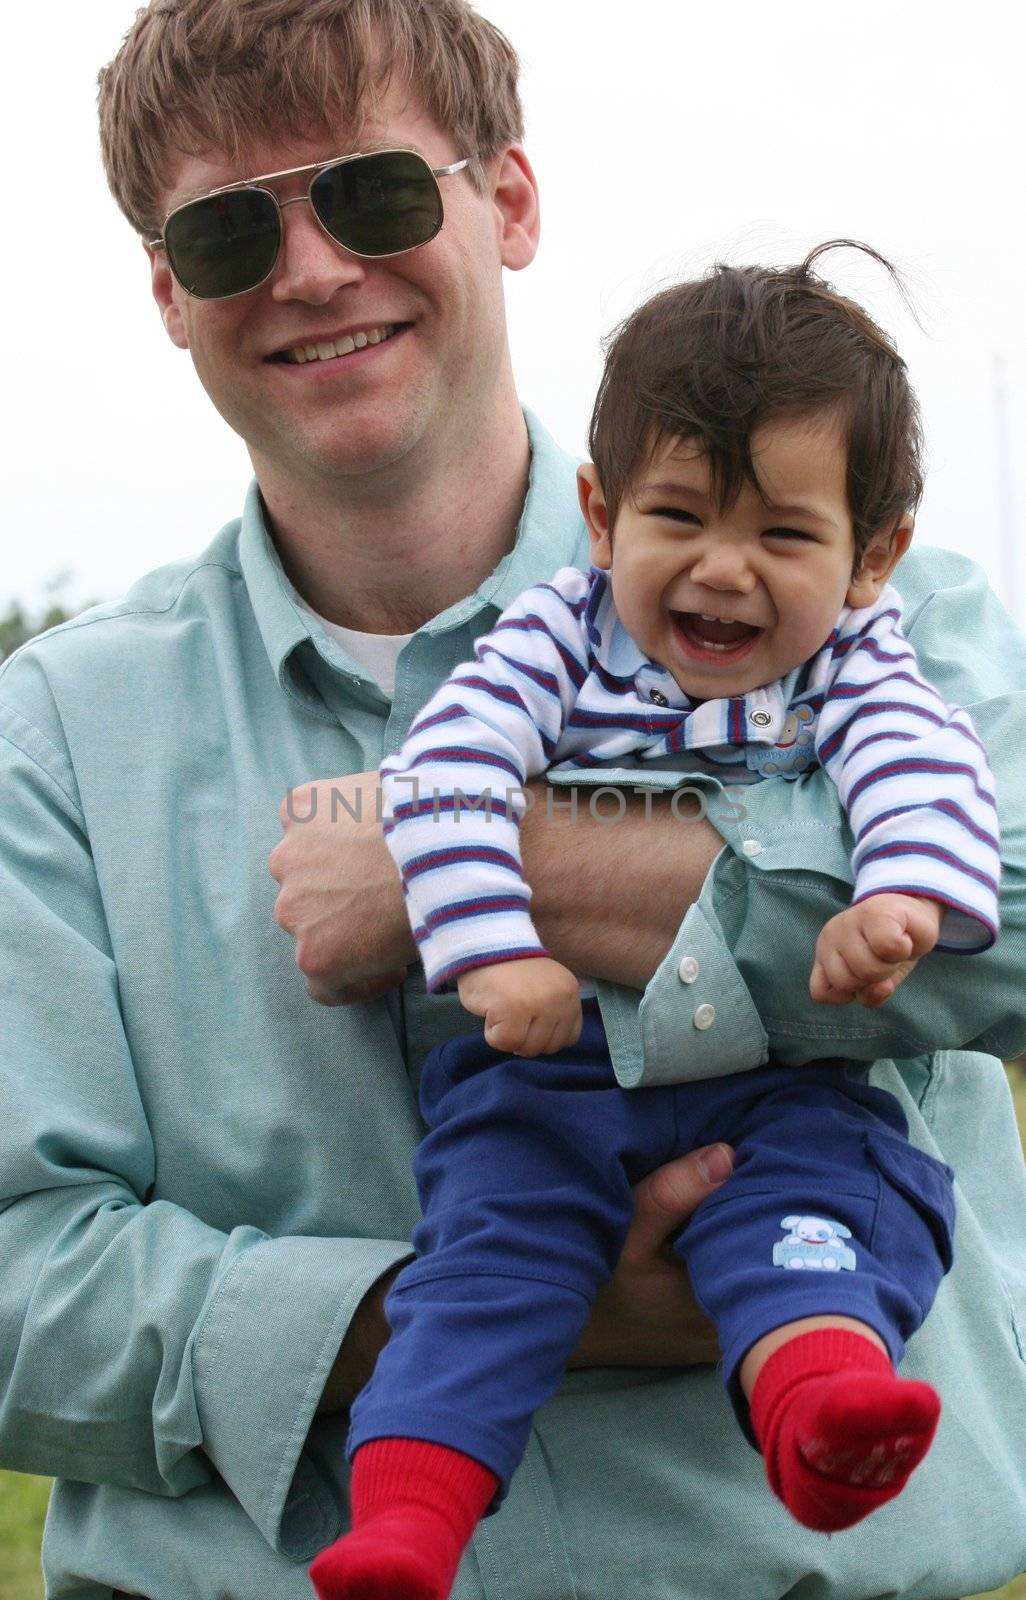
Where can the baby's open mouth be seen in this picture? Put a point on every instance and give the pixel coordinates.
(720, 635)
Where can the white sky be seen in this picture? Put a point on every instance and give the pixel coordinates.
(665, 134)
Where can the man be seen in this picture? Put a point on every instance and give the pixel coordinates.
(205, 1175)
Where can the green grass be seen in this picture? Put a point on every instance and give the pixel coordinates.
(23, 1500)
(22, 1506)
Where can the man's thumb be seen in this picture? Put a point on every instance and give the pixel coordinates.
(669, 1195)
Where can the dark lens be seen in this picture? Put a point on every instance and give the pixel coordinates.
(379, 205)
(223, 244)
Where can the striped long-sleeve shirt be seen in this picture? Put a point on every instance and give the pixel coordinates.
(558, 684)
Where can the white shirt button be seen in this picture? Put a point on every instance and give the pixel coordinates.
(752, 847)
(762, 719)
(687, 972)
(704, 1017)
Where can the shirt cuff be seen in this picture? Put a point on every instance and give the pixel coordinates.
(261, 1359)
(696, 1019)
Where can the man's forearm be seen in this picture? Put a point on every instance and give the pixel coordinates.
(608, 896)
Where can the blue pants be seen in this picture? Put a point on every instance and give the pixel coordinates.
(525, 1182)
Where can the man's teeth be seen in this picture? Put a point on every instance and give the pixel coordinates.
(327, 350)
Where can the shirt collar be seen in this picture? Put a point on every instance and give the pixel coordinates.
(550, 535)
(284, 625)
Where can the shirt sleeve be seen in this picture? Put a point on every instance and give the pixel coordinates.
(913, 779)
(453, 796)
(133, 1333)
(785, 870)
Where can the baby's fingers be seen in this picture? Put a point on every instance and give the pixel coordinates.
(549, 1033)
(529, 1031)
(508, 1028)
(566, 1031)
(832, 981)
(876, 993)
(885, 937)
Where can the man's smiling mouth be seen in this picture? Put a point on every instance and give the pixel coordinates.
(331, 349)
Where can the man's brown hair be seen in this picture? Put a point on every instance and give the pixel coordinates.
(199, 75)
(715, 358)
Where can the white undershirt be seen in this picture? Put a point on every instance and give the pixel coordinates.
(377, 654)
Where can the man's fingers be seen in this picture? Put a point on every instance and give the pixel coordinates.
(357, 993)
(668, 1196)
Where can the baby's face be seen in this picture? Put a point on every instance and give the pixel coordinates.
(730, 600)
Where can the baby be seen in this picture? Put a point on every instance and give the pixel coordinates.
(756, 455)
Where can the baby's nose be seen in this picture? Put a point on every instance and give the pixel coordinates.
(724, 568)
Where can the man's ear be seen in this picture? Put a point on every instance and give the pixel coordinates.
(596, 516)
(163, 287)
(879, 559)
(515, 193)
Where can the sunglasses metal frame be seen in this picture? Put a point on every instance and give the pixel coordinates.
(315, 168)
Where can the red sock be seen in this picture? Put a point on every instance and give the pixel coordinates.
(840, 1432)
(415, 1506)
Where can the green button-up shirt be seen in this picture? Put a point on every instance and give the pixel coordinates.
(202, 1172)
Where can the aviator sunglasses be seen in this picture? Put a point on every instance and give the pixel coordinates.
(381, 204)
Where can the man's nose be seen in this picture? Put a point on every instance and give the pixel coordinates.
(725, 567)
(311, 266)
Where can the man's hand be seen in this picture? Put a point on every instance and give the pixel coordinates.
(865, 952)
(646, 1315)
(531, 1007)
(340, 898)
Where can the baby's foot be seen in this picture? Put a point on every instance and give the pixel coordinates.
(415, 1507)
(839, 1430)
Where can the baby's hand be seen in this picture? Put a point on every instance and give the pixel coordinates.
(865, 952)
(530, 1007)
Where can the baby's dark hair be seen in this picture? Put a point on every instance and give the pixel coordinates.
(715, 358)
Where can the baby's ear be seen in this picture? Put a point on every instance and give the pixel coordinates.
(877, 561)
(596, 516)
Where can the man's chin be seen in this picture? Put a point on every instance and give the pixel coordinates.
(353, 449)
